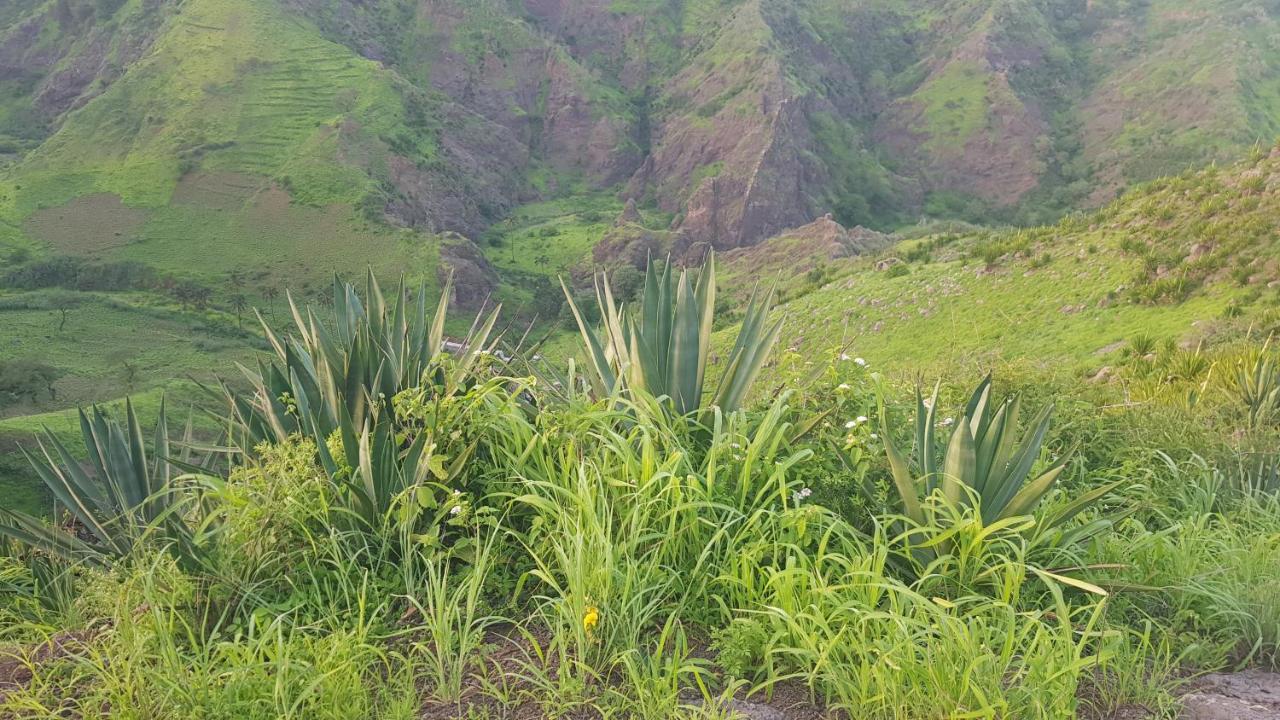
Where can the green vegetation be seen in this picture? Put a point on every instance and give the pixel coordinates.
(702, 495)
(410, 532)
(664, 350)
(123, 498)
(1184, 258)
(985, 464)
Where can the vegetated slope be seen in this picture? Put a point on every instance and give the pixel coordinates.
(738, 118)
(252, 146)
(1190, 259)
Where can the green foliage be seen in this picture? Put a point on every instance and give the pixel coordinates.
(119, 497)
(367, 393)
(985, 463)
(27, 379)
(665, 350)
(1258, 387)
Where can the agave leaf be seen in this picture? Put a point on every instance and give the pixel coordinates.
(976, 410)
(1006, 486)
(35, 533)
(926, 431)
(604, 374)
(435, 341)
(1025, 501)
(1076, 583)
(686, 348)
(903, 480)
(1008, 444)
(959, 466)
(73, 490)
(1079, 503)
(988, 449)
(751, 349)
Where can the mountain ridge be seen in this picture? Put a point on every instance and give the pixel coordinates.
(740, 119)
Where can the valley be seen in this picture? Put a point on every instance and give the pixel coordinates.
(483, 359)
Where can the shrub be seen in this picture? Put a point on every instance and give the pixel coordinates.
(26, 380)
(377, 396)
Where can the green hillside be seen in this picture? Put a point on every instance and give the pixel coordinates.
(167, 166)
(1189, 259)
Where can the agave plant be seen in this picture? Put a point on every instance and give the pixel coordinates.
(665, 348)
(338, 387)
(1255, 473)
(984, 460)
(1258, 385)
(117, 496)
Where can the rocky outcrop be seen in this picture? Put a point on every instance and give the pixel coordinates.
(630, 242)
(476, 181)
(507, 97)
(965, 128)
(67, 55)
(1247, 695)
(594, 32)
(740, 118)
(474, 280)
(801, 249)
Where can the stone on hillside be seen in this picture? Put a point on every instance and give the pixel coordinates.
(1249, 695)
(474, 280)
(630, 214)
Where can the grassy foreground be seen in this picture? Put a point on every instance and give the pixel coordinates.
(441, 535)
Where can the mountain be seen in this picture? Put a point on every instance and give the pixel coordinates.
(169, 164)
(736, 119)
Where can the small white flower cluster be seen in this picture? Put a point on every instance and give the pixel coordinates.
(846, 357)
(855, 422)
(800, 495)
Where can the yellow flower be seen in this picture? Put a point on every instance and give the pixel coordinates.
(590, 619)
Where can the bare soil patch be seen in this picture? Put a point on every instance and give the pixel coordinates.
(217, 190)
(89, 225)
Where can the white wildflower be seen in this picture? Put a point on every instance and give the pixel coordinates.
(947, 422)
(860, 362)
(851, 424)
(861, 419)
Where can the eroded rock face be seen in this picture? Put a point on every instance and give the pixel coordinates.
(804, 248)
(69, 55)
(992, 146)
(474, 280)
(477, 180)
(506, 98)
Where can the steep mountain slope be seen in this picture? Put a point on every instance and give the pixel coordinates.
(737, 118)
(251, 145)
(1188, 260)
